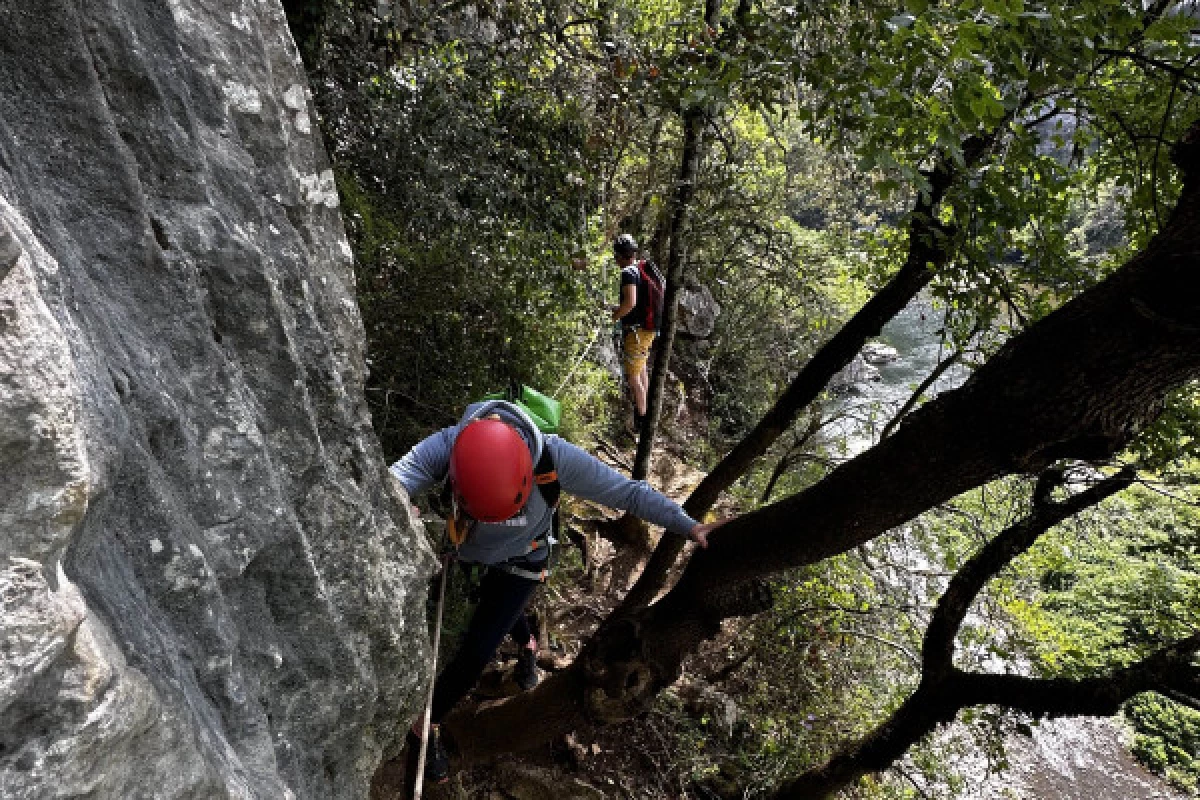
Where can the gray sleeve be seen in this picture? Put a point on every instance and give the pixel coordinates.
(427, 463)
(583, 475)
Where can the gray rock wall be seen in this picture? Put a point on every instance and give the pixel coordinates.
(698, 311)
(209, 585)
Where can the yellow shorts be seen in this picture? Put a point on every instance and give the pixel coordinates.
(636, 345)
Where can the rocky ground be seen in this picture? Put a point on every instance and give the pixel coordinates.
(1074, 759)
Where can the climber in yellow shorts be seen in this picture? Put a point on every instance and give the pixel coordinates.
(640, 313)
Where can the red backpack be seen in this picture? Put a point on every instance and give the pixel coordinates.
(652, 282)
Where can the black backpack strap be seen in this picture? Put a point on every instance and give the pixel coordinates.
(546, 477)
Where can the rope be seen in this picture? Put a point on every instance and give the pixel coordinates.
(578, 361)
(600, 325)
(437, 637)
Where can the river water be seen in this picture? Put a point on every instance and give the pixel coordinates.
(1062, 759)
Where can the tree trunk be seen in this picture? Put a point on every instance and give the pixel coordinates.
(681, 208)
(929, 248)
(1078, 384)
(685, 189)
(673, 234)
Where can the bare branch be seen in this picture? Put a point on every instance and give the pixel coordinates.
(1180, 73)
(938, 649)
(908, 654)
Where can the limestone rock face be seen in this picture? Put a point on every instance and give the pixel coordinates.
(698, 312)
(209, 585)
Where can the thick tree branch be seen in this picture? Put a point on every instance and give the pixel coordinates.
(938, 700)
(1080, 383)
(1169, 670)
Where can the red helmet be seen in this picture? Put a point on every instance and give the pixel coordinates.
(491, 470)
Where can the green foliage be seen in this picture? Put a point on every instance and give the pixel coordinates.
(1169, 445)
(449, 321)
(465, 188)
(1112, 584)
(782, 286)
(790, 305)
(820, 674)
(1105, 590)
(1049, 83)
(1167, 739)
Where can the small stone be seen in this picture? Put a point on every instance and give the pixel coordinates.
(877, 354)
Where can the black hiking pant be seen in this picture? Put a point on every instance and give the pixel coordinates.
(501, 611)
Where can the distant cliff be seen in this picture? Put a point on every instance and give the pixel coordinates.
(208, 586)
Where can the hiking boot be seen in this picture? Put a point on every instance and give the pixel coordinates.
(437, 762)
(638, 419)
(526, 672)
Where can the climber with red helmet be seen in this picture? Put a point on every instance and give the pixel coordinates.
(491, 471)
(497, 464)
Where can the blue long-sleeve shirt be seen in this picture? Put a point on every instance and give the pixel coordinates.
(579, 473)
